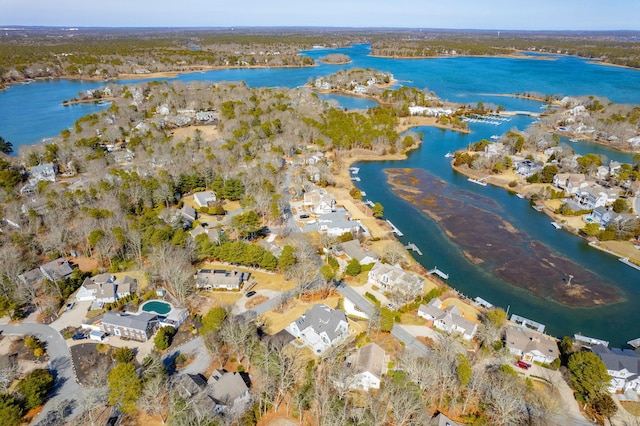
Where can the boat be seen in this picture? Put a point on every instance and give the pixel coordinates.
(495, 137)
(635, 342)
(479, 182)
(519, 195)
(556, 225)
(449, 155)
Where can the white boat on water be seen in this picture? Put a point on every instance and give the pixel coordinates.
(495, 137)
(519, 195)
(556, 225)
(449, 155)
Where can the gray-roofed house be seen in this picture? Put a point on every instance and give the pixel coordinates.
(320, 327)
(55, 270)
(392, 277)
(623, 365)
(319, 201)
(355, 251)
(335, 224)
(531, 345)
(203, 198)
(58, 269)
(367, 367)
(449, 319)
(43, 172)
(105, 288)
(228, 391)
(442, 420)
(188, 213)
(212, 233)
(136, 327)
(211, 279)
(189, 385)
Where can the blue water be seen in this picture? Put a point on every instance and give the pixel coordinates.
(31, 112)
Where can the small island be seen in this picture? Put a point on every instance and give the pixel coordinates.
(335, 59)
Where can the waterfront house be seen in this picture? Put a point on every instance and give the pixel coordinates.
(530, 345)
(601, 215)
(220, 279)
(594, 195)
(105, 288)
(366, 367)
(353, 250)
(335, 224)
(393, 277)
(319, 201)
(319, 328)
(526, 168)
(203, 198)
(136, 327)
(623, 365)
(449, 319)
(570, 183)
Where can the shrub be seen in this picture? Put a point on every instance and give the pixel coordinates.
(123, 354)
(372, 298)
(164, 337)
(35, 387)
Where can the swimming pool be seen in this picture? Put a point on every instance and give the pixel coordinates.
(156, 306)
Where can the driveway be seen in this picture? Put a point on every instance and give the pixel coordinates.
(66, 387)
(273, 296)
(569, 411)
(202, 359)
(73, 317)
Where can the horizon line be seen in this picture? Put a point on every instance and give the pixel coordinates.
(17, 27)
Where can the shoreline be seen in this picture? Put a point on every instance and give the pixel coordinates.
(85, 101)
(520, 189)
(159, 74)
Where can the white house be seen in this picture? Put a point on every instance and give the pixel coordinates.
(335, 224)
(105, 288)
(211, 279)
(623, 365)
(595, 195)
(530, 345)
(319, 201)
(570, 182)
(366, 367)
(203, 198)
(43, 172)
(449, 320)
(320, 327)
(390, 277)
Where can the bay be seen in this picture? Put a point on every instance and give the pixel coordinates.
(34, 111)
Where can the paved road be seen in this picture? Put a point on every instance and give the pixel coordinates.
(359, 300)
(410, 342)
(66, 387)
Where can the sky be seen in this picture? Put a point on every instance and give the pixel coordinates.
(456, 14)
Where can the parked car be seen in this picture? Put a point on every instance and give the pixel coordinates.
(79, 336)
(69, 306)
(251, 293)
(304, 216)
(523, 365)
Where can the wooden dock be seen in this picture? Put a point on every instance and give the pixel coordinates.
(439, 273)
(627, 262)
(413, 247)
(394, 229)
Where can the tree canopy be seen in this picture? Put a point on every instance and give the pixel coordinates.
(589, 375)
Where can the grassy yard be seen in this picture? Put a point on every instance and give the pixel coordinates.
(632, 407)
(263, 280)
(467, 310)
(276, 322)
